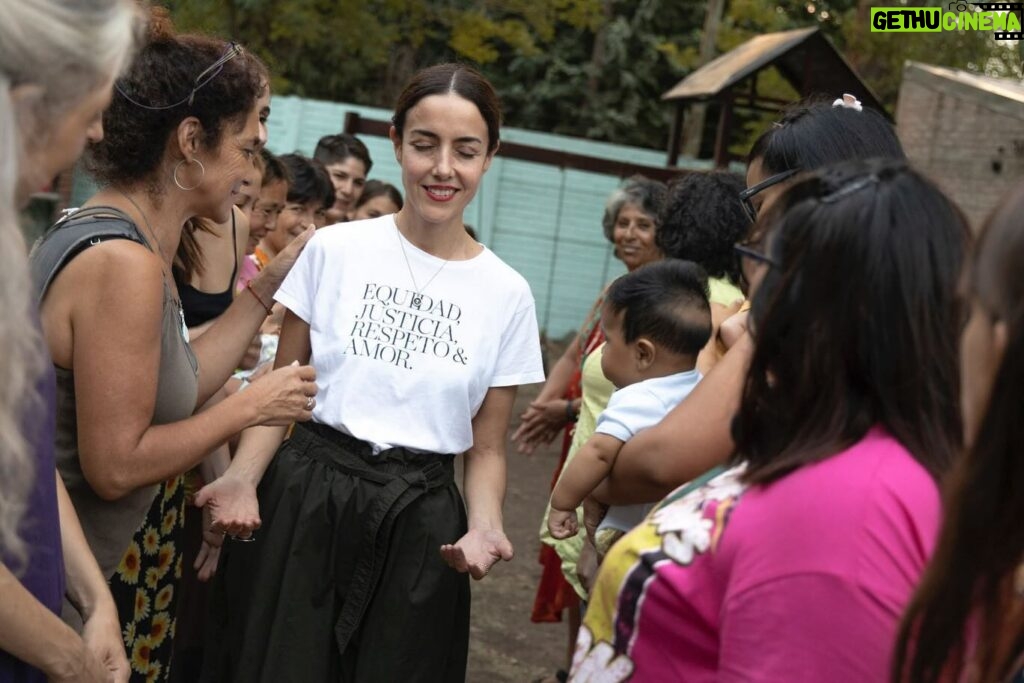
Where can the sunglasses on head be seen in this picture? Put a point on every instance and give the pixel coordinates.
(204, 77)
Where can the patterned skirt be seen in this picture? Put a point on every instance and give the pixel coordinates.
(145, 583)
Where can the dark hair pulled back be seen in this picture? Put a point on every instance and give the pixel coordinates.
(814, 133)
(460, 79)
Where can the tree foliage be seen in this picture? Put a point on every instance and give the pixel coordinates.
(591, 68)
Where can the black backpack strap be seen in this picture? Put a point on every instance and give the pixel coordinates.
(77, 231)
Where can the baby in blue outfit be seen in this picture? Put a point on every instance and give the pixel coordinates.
(656, 320)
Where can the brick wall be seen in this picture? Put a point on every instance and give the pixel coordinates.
(967, 136)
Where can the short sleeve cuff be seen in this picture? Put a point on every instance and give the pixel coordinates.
(614, 429)
(535, 377)
(293, 305)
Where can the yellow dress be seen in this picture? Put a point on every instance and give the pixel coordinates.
(597, 390)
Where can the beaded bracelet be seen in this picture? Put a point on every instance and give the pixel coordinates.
(570, 414)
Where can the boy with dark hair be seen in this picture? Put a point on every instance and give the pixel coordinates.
(309, 196)
(348, 163)
(656, 320)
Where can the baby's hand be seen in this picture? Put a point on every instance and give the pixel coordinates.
(563, 523)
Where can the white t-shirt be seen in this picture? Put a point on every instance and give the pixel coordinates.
(396, 374)
(635, 408)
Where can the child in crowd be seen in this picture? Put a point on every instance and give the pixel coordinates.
(249, 191)
(656, 320)
(270, 198)
(296, 192)
(348, 163)
(310, 195)
(378, 199)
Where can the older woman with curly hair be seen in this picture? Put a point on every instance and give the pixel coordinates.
(182, 130)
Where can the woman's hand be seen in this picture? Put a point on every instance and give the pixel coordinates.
(209, 551)
(586, 565)
(539, 424)
(284, 396)
(734, 327)
(477, 552)
(86, 668)
(275, 271)
(105, 655)
(233, 506)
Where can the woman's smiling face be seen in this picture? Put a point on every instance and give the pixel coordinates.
(443, 154)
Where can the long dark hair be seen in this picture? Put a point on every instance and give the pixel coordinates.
(855, 321)
(982, 541)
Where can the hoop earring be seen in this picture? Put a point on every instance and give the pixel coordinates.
(177, 182)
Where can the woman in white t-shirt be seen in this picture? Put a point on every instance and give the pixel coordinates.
(419, 336)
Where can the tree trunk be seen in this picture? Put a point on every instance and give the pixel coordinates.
(401, 67)
(597, 54)
(693, 125)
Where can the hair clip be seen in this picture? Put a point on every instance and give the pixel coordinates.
(848, 101)
(849, 189)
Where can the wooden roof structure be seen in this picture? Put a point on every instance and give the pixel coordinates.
(804, 57)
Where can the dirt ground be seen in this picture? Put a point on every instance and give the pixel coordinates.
(505, 646)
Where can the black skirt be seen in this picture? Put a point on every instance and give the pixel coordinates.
(345, 581)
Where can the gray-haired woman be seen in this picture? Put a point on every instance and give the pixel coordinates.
(57, 63)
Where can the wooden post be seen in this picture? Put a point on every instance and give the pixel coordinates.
(709, 37)
(673, 136)
(351, 124)
(724, 130)
(807, 87)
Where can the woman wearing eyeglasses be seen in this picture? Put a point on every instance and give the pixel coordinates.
(695, 436)
(181, 133)
(795, 563)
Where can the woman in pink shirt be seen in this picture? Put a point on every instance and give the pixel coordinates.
(795, 563)
(966, 622)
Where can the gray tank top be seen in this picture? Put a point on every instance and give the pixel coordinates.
(110, 525)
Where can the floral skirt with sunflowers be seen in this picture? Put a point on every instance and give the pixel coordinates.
(145, 582)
